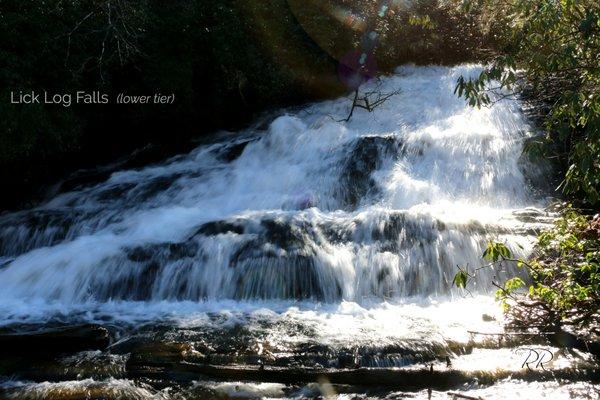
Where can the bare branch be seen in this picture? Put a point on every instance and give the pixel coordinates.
(368, 101)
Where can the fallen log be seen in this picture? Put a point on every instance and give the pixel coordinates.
(463, 396)
(401, 378)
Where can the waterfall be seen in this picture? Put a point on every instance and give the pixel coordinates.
(385, 206)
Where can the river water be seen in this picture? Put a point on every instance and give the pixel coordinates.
(301, 242)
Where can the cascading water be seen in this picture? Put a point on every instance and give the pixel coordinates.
(386, 205)
(310, 234)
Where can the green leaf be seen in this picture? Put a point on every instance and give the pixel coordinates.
(460, 279)
(514, 284)
(496, 251)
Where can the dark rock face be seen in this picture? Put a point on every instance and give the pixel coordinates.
(295, 277)
(543, 178)
(160, 356)
(137, 284)
(50, 342)
(279, 263)
(233, 151)
(220, 227)
(273, 257)
(143, 266)
(284, 234)
(366, 157)
(27, 230)
(166, 251)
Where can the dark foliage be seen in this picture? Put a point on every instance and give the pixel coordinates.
(209, 54)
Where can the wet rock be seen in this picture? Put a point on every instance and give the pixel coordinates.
(270, 237)
(162, 359)
(391, 228)
(220, 227)
(115, 191)
(542, 178)
(93, 364)
(159, 353)
(397, 231)
(366, 157)
(24, 231)
(49, 342)
(284, 234)
(233, 151)
(149, 189)
(290, 277)
(488, 318)
(5, 262)
(129, 193)
(414, 378)
(81, 390)
(336, 232)
(137, 284)
(83, 178)
(140, 253)
(163, 251)
(153, 153)
(141, 157)
(566, 339)
(251, 249)
(181, 250)
(279, 261)
(532, 215)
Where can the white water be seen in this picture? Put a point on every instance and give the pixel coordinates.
(383, 207)
(506, 390)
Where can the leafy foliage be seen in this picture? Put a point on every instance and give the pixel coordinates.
(420, 31)
(495, 252)
(556, 46)
(565, 274)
